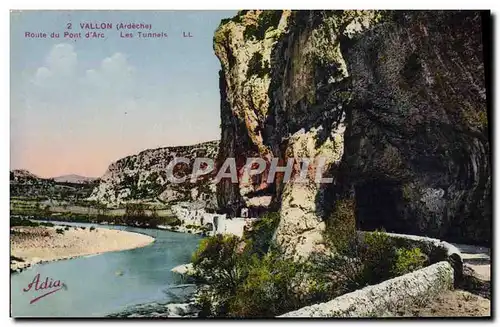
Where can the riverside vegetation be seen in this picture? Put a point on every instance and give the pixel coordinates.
(133, 214)
(249, 277)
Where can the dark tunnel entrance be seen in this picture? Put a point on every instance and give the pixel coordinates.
(377, 206)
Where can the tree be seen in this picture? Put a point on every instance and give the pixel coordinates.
(134, 214)
(220, 262)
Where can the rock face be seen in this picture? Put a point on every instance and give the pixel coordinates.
(419, 128)
(22, 175)
(395, 102)
(144, 176)
(244, 49)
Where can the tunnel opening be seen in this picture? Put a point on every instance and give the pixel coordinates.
(378, 204)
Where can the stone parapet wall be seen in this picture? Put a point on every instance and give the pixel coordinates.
(436, 249)
(386, 298)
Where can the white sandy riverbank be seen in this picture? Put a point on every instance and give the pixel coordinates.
(43, 244)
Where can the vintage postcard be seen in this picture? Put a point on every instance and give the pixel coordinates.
(250, 164)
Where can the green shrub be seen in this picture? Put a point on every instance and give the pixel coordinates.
(269, 289)
(66, 228)
(243, 277)
(173, 221)
(367, 262)
(240, 282)
(378, 254)
(224, 21)
(16, 221)
(341, 227)
(92, 228)
(220, 263)
(267, 19)
(408, 261)
(59, 231)
(261, 233)
(153, 220)
(250, 32)
(339, 273)
(135, 215)
(406, 192)
(236, 19)
(204, 303)
(437, 254)
(256, 66)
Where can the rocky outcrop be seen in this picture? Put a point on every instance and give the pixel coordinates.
(143, 177)
(183, 305)
(22, 175)
(243, 46)
(419, 129)
(386, 298)
(394, 101)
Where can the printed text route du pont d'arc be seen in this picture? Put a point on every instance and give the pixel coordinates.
(104, 26)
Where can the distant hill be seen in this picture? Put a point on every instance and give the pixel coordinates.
(22, 175)
(72, 178)
(26, 184)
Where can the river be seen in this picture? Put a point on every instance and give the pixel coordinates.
(108, 283)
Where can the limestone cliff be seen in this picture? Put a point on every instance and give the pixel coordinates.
(143, 177)
(396, 102)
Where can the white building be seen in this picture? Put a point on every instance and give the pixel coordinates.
(193, 214)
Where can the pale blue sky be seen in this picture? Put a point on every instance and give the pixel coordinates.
(78, 105)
